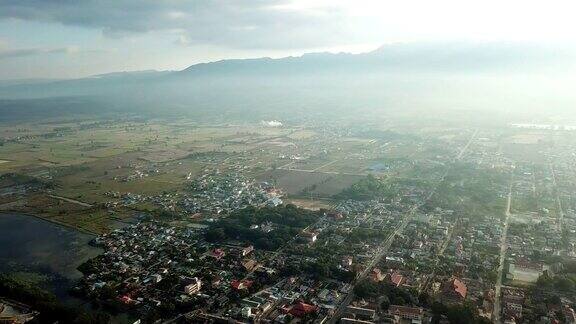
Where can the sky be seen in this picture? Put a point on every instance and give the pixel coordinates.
(76, 38)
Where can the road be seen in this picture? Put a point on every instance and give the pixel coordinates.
(379, 255)
(322, 172)
(558, 201)
(383, 249)
(503, 247)
(440, 253)
(73, 201)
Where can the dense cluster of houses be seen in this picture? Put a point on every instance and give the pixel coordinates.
(224, 192)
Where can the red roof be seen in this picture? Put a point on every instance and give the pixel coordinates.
(396, 278)
(241, 284)
(334, 214)
(218, 253)
(126, 299)
(376, 275)
(301, 309)
(455, 285)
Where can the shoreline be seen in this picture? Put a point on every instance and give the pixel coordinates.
(46, 248)
(51, 221)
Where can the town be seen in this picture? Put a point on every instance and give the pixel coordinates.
(312, 223)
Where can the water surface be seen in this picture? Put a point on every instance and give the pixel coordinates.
(36, 248)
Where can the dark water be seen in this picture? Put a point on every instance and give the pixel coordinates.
(31, 246)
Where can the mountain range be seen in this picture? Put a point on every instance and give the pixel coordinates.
(395, 76)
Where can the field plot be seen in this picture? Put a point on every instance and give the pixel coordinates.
(334, 185)
(88, 219)
(312, 204)
(304, 134)
(308, 165)
(293, 182)
(298, 183)
(156, 154)
(354, 166)
(91, 181)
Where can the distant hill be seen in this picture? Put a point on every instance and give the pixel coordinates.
(398, 76)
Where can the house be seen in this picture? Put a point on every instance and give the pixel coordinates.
(347, 261)
(569, 314)
(273, 202)
(250, 264)
(193, 287)
(247, 250)
(376, 275)
(453, 291)
(241, 284)
(395, 278)
(125, 300)
(513, 296)
(216, 281)
(394, 262)
(155, 278)
(363, 313)
(488, 300)
(512, 310)
(354, 321)
(311, 237)
(267, 227)
(526, 265)
(301, 309)
(512, 301)
(246, 312)
(13, 312)
(405, 312)
(335, 215)
(218, 253)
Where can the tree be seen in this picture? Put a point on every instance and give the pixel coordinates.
(564, 284)
(215, 235)
(462, 314)
(384, 303)
(439, 308)
(365, 289)
(398, 300)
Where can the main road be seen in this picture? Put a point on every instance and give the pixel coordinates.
(503, 247)
(384, 248)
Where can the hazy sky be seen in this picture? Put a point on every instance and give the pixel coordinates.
(71, 38)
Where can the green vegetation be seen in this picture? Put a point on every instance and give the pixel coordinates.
(471, 191)
(51, 310)
(366, 189)
(458, 314)
(17, 179)
(319, 268)
(395, 295)
(285, 221)
(360, 234)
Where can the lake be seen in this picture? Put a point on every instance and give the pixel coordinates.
(49, 253)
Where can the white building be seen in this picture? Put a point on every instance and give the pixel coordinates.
(194, 287)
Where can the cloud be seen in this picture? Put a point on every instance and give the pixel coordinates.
(240, 24)
(24, 52)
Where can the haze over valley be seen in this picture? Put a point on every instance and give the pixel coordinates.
(287, 161)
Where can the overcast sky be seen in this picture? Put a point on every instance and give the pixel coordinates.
(73, 38)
